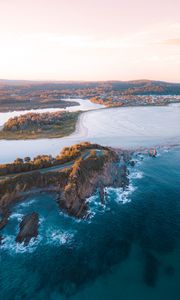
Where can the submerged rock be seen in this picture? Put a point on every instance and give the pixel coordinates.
(151, 269)
(28, 228)
(169, 270)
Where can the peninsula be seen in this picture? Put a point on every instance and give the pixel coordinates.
(40, 125)
(74, 175)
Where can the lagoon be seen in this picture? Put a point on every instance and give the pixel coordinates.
(128, 127)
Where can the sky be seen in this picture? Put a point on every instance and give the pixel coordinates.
(90, 39)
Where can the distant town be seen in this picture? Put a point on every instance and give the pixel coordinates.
(22, 95)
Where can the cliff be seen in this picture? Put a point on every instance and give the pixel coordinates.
(94, 168)
(88, 175)
(18, 187)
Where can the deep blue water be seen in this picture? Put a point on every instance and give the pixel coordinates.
(128, 249)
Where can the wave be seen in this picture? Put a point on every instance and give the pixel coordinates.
(136, 175)
(95, 206)
(26, 203)
(59, 237)
(119, 195)
(16, 215)
(10, 245)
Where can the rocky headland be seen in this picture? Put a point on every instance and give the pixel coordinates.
(98, 171)
(90, 168)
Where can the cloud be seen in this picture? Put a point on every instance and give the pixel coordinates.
(173, 42)
(80, 41)
(161, 34)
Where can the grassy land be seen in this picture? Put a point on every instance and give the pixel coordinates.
(54, 131)
(14, 105)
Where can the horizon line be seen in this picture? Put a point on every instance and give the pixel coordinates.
(84, 81)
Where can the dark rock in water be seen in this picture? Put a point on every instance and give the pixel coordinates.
(126, 156)
(150, 269)
(153, 152)
(28, 228)
(132, 163)
(102, 194)
(4, 219)
(123, 174)
(1, 240)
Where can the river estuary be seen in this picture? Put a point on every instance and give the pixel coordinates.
(129, 127)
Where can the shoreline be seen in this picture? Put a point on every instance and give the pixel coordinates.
(34, 147)
(48, 106)
(67, 130)
(124, 170)
(82, 130)
(78, 124)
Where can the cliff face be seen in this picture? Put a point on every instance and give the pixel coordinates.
(89, 175)
(95, 169)
(17, 187)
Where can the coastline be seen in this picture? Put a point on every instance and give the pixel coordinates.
(82, 131)
(77, 127)
(67, 129)
(121, 223)
(111, 135)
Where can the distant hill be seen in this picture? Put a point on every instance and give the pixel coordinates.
(133, 87)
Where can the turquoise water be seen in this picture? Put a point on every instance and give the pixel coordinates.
(127, 249)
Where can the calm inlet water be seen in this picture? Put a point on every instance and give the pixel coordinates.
(128, 249)
(130, 127)
(84, 105)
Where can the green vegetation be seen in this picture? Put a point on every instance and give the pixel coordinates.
(44, 125)
(68, 154)
(73, 162)
(19, 95)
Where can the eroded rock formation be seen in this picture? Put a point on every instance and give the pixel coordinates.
(88, 175)
(95, 168)
(28, 228)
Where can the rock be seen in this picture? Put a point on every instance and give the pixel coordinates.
(84, 175)
(89, 175)
(1, 240)
(132, 163)
(4, 219)
(102, 194)
(153, 152)
(28, 228)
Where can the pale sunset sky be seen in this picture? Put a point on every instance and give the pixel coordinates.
(90, 39)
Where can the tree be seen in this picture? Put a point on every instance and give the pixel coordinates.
(18, 161)
(27, 159)
(93, 153)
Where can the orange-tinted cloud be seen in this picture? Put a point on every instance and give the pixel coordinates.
(175, 42)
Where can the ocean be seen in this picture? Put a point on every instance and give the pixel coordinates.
(127, 249)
